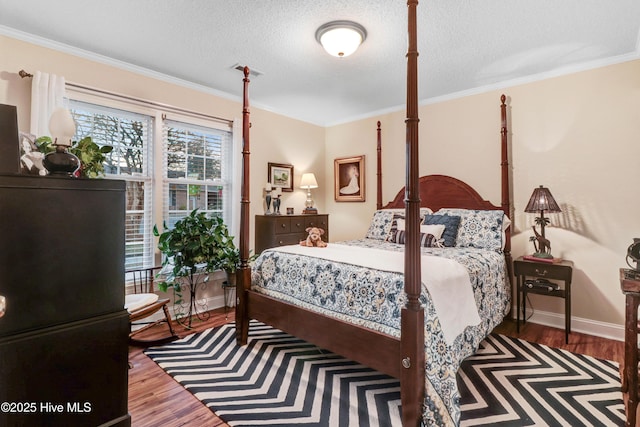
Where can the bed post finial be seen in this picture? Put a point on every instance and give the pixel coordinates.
(379, 171)
(243, 273)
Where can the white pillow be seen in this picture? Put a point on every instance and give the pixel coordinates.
(435, 230)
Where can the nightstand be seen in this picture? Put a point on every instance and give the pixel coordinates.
(527, 272)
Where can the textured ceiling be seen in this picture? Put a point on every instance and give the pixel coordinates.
(464, 45)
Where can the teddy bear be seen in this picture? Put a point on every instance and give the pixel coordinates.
(314, 238)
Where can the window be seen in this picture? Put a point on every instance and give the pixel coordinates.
(131, 137)
(195, 171)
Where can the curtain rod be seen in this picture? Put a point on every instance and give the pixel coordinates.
(24, 74)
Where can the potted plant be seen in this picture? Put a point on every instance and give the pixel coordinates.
(196, 246)
(230, 260)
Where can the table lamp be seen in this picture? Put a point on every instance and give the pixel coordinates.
(541, 200)
(308, 182)
(62, 128)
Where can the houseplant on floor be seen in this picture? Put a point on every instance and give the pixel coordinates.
(196, 246)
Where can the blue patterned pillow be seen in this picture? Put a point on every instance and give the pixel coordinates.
(380, 226)
(479, 228)
(382, 221)
(451, 224)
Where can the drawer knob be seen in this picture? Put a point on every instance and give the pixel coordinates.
(541, 272)
(283, 226)
(298, 224)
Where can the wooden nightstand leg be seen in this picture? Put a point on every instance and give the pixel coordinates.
(518, 288)
(567, 312)
(524, 305)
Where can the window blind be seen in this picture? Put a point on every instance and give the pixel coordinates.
(131, 136)
(197, 170)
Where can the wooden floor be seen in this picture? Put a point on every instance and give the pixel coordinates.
(155, 399)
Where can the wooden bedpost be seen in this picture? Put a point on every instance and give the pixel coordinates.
(412, 320)
(379, 171)
(506, 200)
(506, 189)
(243, 273)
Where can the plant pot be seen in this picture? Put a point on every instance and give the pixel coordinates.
(231, 278)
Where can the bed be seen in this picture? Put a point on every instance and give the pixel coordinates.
(387, 308)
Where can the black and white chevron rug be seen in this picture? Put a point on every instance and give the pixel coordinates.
(280, 380)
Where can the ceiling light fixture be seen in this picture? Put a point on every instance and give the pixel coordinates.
(341, 38)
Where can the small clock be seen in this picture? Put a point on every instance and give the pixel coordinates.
(633, 253)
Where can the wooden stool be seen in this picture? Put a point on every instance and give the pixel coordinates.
(630, 285)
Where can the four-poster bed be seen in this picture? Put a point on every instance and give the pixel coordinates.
(389, 334)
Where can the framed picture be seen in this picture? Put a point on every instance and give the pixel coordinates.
(280, 176)
(349, 179)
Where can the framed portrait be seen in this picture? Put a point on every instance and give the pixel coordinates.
(349, 179)
(280, 176)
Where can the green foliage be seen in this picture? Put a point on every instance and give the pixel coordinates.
(90, 154)
(196, 244)
(92, 157)
(45, 144)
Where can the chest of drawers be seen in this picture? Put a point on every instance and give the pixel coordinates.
(281, 230)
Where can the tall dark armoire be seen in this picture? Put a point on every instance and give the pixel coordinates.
(63, 337)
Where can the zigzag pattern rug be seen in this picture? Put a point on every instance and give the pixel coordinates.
(280, 380)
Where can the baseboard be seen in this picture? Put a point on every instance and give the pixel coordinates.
(578, 324)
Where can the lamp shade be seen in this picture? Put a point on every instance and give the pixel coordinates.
(341, 38)
(62, 127)
(308, 181)
(542, 200)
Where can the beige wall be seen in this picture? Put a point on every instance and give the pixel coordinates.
(578, 134)
(274, 138)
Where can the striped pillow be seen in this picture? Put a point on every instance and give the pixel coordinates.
(430, 235)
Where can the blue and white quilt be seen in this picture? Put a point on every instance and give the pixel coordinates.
(353, 291)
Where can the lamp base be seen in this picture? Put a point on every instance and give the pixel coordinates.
(312, 211)
(61, 162)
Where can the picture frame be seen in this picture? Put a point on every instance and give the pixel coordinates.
(349, 179)
(280, 175)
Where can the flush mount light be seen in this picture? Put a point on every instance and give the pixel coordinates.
(341, 38)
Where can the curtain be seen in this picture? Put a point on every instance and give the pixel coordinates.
(47, 93)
